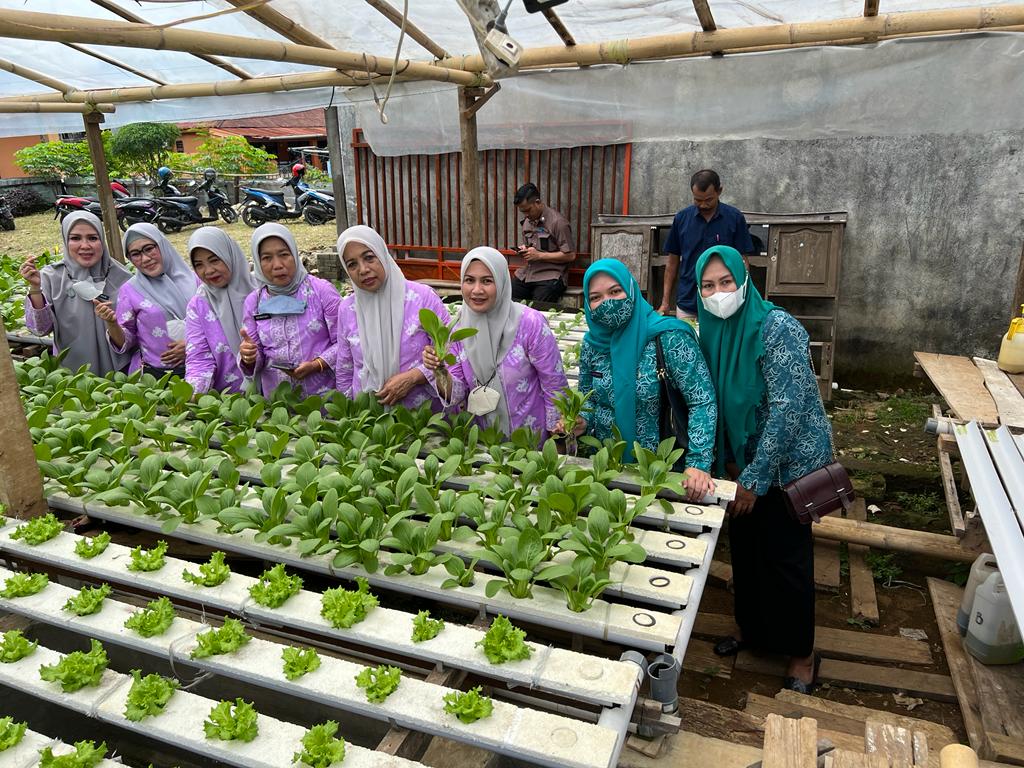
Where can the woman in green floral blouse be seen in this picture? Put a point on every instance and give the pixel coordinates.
(618, 363)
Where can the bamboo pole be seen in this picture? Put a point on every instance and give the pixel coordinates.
(28, 25)
(48, 107)
(937, 545)
(411, 29)
(870, 7)
(115, 63)
(556, 24)
(21, 484)
(707, 20)
(34, 76)
(284, 26)
(472, 202)
(94, 138)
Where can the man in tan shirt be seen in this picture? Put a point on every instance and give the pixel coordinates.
(547, 250)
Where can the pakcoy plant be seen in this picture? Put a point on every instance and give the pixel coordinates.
(77, 670)
(595, 537)
(578, 581)
(443, 335)
(148, 695)
(461, 573)
(412, 547)
(272, 512)
(15, 646)
(571, 405)
(654, 468)
(144, 490)
(519, 555)
(312, 527)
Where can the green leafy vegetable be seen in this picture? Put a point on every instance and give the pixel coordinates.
(469, 706)
(227, 639)
(425, 628)
(275, 586)
(232, 722)
(15, 647)
(379, 682)
(320, 748)
(86, 755)
(88, 600)
(299, 662)
(346, 607)
(148, 696)
(87, 549)
(148, 559)
(504, 642)
(442, 335)
(152, 620)
(23, 585)
(211, 574)
(39, 529)
(78, 669)
(11, 733)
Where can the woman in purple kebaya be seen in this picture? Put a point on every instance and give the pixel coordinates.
(213, 321)
(380, 340)
(149, 319)
(290, 320)
(510, 372)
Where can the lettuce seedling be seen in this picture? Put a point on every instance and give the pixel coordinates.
(232, 722)
(148, 559)
(275, 586)
(86, 755)
(344, 608)
(78, 669)
(38, 530)
(425, 628)
(504, 642)
(215, 642)
(153, 620)
(148, 696)
(11, 733)
(469, 706)
(299, 662)
(211, 574)
(88, 601)
(379, 682)
(15, 647)
(320, 748)
(23, 585)
(87, 549)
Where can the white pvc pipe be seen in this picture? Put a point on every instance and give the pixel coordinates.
(1010, 465)
(688, 615)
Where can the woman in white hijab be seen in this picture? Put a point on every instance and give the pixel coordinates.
(213, 321)
(289, 327)
(149, 321)
(511, 370)
(61, 296)
(380, 341)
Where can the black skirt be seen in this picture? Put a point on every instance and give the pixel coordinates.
(773, 577)
(157, 372)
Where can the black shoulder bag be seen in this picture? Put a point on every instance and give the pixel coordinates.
(674, 416)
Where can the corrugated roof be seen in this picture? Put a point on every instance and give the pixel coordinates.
(303, 124)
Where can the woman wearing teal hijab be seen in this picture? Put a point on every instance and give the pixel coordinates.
(773, 430)
(618, 362)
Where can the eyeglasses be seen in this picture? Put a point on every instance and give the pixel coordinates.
(147, 250)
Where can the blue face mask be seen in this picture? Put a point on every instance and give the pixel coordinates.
(282, 305)
(613, 313)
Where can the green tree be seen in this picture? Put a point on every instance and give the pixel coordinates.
(141, 148)
(55, 159)
(233, 154)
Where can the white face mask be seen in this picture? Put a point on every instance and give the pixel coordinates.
(725, 305)
(86, 290)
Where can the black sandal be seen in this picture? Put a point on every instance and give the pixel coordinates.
(729, 646)
(798, 685)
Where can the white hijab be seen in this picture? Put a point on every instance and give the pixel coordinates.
(271, 229)
(172, 289)
(227, 302)
(496, 328)
(380, 315)
(75, 325)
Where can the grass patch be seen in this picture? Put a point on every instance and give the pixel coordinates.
(905, 410)
(921, 510)
(884, 567)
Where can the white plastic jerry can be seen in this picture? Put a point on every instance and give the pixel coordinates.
(984, 566)
(1011, 350)
(993, 636)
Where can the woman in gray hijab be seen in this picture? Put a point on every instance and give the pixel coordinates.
(213, 321)
(61, 296)
(150, 317)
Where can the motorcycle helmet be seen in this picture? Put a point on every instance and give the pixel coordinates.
(298, 170)
(163, 172)
(209, 174)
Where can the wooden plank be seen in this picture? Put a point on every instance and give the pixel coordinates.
(1018, 381)
(961, 385)
(790, 743)
(863, 599)
(1002, 708)
(721, 571)
(945, 602)
(956, 515)
(721, 722)
(689, 750)
(1009, 402)
(843, 758)
(21, 485)
(895, 743)
(700, 658)
(826, 565)
(1005, 749)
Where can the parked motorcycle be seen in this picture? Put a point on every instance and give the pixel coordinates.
(261, 206)
(178, 211)
(317, 206)
(67, 203)
(6, 217)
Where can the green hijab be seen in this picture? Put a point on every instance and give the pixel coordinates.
(733, 349)
(625, 345)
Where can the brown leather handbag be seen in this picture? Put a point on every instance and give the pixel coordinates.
(819, 493)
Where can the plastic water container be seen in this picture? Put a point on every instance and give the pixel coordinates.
(984, 566)
(993, 636)
(1011, 351)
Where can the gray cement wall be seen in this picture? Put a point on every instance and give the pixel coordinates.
(930, 255)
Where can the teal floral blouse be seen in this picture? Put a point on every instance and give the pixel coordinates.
(793, 434)
(689, 372)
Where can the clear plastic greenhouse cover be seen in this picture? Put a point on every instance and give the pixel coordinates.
(962, 83)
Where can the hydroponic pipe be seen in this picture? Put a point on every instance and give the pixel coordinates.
(618, 718)
(688, 615)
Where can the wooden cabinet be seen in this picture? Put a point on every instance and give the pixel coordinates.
(629, 243)
(803, 259)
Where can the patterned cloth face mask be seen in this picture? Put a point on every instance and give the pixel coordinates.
(613, 313)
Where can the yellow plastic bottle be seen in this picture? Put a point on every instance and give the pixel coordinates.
(1011, 351)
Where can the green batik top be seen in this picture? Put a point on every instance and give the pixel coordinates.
(690, 375)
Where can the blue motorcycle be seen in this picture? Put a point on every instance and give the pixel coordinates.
(317, 205)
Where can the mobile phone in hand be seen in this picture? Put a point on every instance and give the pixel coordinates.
(286, 367)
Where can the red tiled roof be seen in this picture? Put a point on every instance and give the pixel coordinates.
(309, 122)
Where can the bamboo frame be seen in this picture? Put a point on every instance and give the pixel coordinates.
(411, 29)
(870, 7)
(115, 63)
(9, 107)
(28, 25)
(707, 20)
(281, 24)
(36, 77)
(556, 24)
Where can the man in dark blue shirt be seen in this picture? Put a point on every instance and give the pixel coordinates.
(696, 228)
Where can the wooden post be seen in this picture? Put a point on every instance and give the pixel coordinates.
(99, 165)
(337, 169)
(21, 485)
(472, 200)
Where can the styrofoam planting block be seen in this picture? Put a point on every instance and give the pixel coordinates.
(23, 676)
(25, 752)
(672, 548)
